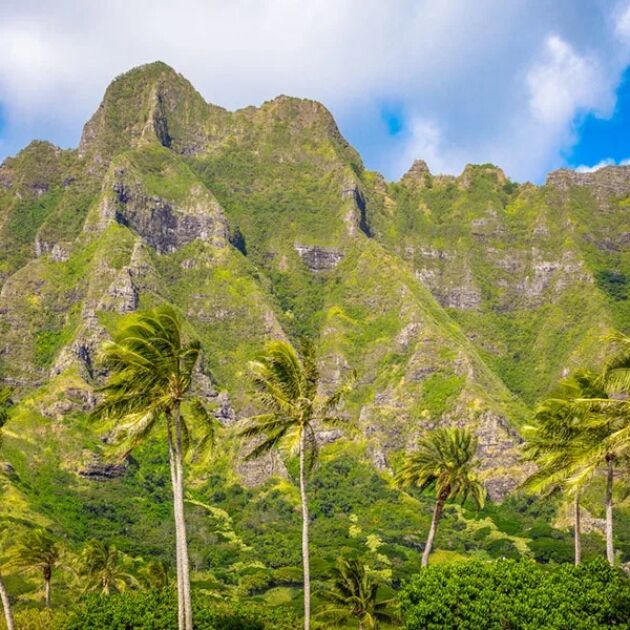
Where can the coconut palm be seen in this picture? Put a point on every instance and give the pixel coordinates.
(616, 380)
(286, 388)
(37, 551)
(354, 593)
(595, 437)
(444, 463)
(155, 574)
(5, 403)
(104, 569)
(606, 426)
(151, 364)
(556, 440)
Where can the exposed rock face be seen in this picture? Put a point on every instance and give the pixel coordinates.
(74, 399)
(605, 183)
(497, 450)
(255, 472)
(122, 295)
(167, 227)
(96, 469)
(319, 258)
(464, 297)
(418, 176)
(357, 216)
(547, 273)
(58, 251)
(224, 412)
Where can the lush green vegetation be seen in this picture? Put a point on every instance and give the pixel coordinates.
(458, 301)
(517, 595)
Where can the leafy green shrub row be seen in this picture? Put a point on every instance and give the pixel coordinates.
(153, 610)
(517, 595)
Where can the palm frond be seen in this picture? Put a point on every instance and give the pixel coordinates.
(444, 461)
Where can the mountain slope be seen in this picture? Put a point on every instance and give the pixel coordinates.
(457, 301)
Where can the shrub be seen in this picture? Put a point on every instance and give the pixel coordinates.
(157, 610)
(517, 595)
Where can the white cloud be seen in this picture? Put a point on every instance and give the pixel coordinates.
(623, 21)
(595, 167)
(601, 164)
(425, 141)
(478, 81)
(564, 83)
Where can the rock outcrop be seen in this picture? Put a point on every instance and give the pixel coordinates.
(609, 182)
(319, 258)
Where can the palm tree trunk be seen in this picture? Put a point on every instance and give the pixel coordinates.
(181, 546)
(6, 604)
(305, 555)
(178, 564)
(437, 513)
(610, 551)
(47, 578)
(577, 531)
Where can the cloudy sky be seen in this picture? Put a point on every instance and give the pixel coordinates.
(530, 86)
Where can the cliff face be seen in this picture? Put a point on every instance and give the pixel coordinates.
(458, 301)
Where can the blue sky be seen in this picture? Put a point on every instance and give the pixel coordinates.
(529, 85)
(601, 141)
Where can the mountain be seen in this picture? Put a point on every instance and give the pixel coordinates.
(457, 301)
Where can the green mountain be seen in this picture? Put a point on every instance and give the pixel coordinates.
(457, 300)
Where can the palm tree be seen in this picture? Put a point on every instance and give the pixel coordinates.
(38, 551)
(597, 433)
(5, 403)
(155, 574)
(607, 423)
(444, 462)
(557, 439)
(104, 569)
(151, 366)
(286, 387)
(355, 594)
(616, 379)
(6, 605)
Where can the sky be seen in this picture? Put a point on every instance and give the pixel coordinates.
(528, 85)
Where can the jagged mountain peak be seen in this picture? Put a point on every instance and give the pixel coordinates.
(34, 169)
(607, 182)
(150, 103)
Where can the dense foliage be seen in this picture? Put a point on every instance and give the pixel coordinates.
(517, 595)
(154, 610)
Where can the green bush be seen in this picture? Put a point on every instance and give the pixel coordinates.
(157, 610)
(517, 595)
(37, 619)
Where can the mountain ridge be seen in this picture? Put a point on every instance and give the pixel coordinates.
(458, 300)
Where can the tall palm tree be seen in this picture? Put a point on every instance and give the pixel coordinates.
(151, 364)
(556, 441)
(6, 605)
(39, 552)
(607, 422)
(596, 435)
(445, 463)
(286, 388)
(354, 593)
(616, 378)
(104, 569)
(5, 403)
